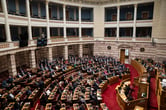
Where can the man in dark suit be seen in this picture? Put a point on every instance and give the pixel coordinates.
(17, 105)
(41, 84)
(82, 107)
(5, 84)
(10, 79)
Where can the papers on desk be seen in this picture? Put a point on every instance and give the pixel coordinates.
(144, 80)
(99, 97)
(163, 83)
(143, 95)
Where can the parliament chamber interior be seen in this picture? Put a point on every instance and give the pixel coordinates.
(82, 55)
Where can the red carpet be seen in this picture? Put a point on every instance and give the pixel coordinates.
(153, 98)
(133, 72)
(109, 97)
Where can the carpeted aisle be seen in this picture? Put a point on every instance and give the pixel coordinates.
(153, 98)
(109, 97)
(133, 72)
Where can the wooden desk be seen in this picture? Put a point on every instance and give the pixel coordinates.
(87, 93)
(76, 93)
(26, 106)
(64, 93)
(63, 107)
(113, 79)
(99, 96)
(53, 93)
(89, 106)
(103, 85)
(14, 89)
(103, 106)
(47, 81)
(76, 106)
(48, 106)
(33, 97)
(125, 76)
(138, 108)
(4, 95)
(10, 106)
(21, 93)
(34, 93)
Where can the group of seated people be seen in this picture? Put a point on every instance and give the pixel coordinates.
(87, 73)
(151, 65)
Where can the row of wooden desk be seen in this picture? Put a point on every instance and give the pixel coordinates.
(53, 94)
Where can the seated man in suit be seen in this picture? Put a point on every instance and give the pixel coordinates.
(82, 107)
(52, 75)
(95, 85)
(17, 105)
(19, 75)
(43, 100)
(58, 105)
(10, 79)
(28, 92)
(41, 84)
(10, 97)
(29, 75)
(5, 85)
(22, 72)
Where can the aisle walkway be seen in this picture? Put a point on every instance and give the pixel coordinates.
(153, 98)
(109, 97)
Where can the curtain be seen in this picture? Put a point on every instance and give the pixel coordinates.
(14, 33)
(22, 7)
(42, 10)
(35, 32)
(2, 34)
(12, 6)
(54, 11)
(34, 6)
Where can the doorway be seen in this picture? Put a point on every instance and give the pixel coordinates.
(122, 56)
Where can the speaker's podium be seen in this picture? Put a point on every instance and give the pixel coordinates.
(42, 42)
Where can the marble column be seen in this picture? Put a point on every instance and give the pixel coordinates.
(32, 59)
(7, 28)
(135, 18)
(50, 55)
(29, 20)
(80, 50)
(66, 52)
(47, 17)
(12, 65)
(118, 19)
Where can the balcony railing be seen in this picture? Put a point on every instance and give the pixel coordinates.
(126, 38)
(57, 39)
(4, 45)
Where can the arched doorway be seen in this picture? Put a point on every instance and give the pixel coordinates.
(124, 53)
